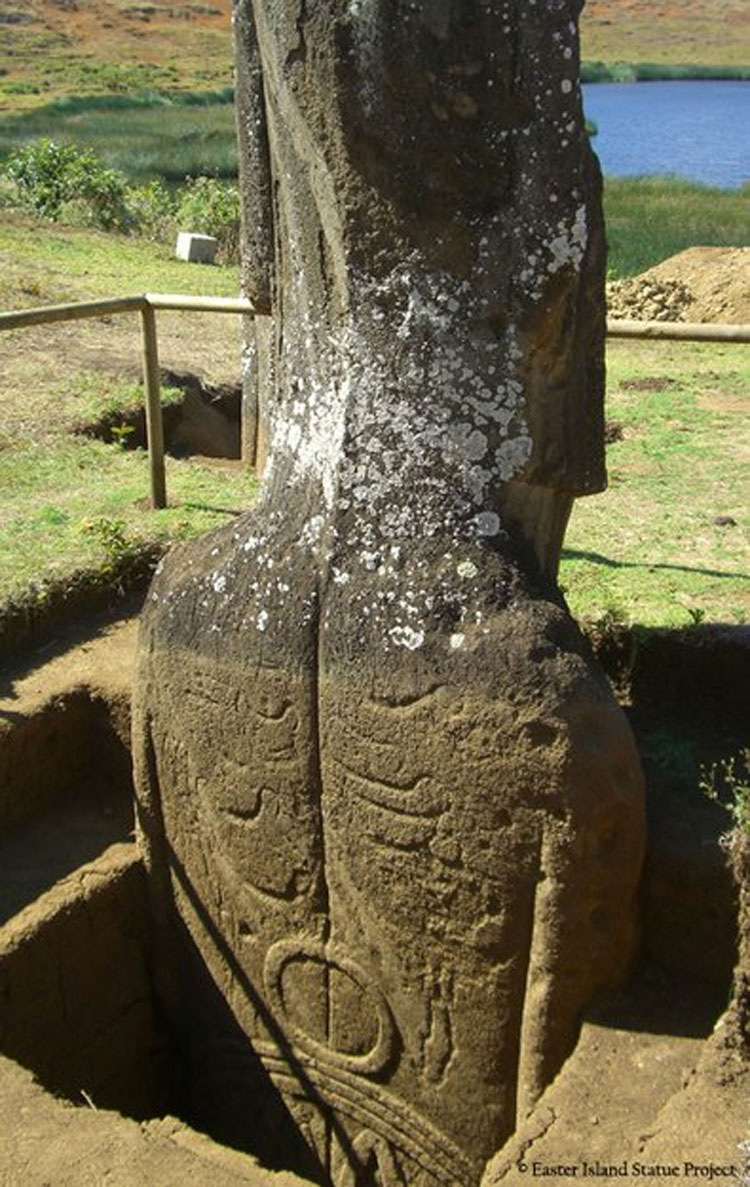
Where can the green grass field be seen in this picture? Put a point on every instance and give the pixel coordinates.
(668, 542)
(70, 503)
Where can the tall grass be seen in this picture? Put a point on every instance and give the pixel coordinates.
(659, 71)
(77, 103)
(651, 218)
(146, 136)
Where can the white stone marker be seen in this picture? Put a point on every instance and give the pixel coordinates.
(196, 249)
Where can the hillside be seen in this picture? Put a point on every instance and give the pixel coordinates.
(50, 48)
(669, 32)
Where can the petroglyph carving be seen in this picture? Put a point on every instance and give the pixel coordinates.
(327, 961)
(372, 1156)
(423, 1153)
(437, 1037)
(391, 812)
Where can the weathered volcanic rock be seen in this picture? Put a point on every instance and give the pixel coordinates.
(392, 813)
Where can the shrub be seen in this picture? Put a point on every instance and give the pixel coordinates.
(8, 193)
(212, 207)
(62, 181)
(66, 183)
(152, 210)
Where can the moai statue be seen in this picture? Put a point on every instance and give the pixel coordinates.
(391, 811)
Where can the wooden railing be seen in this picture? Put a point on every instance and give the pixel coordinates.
(679, 331)
(147, 303)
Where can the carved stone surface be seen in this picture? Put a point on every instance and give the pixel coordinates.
(392, 813)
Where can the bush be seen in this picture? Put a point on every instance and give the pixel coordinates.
(69, 184)
(152, 210)
(728, 782)
(62, 181)
(657, 72)
(212, 207)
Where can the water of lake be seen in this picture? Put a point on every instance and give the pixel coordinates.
(697, 130)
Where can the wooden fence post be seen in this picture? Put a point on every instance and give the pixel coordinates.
(154, 423)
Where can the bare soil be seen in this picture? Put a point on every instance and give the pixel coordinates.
(54, 1144)
(77, 1001)
(205, 345)
(702, 284)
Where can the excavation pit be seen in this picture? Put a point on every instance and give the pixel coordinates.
(204, 421)
(80, 1010)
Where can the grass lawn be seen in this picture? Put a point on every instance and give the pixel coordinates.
(648, 551)
(669, 542)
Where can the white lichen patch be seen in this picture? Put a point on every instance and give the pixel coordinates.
(488, 523)
(406, 636)
(467, 569)
(569, 244)
(423, 426)
(406, 422)
(470, 441)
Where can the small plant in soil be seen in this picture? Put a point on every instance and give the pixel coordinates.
(727, 782)
(122, 434)
(112, 536)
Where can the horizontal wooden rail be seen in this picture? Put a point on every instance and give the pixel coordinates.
(201, 304)
(72, 311)
(679, 331)
(147, 303)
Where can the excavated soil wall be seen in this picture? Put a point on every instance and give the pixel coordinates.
(205, 420)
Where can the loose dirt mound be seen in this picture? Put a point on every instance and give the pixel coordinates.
(702, 284)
